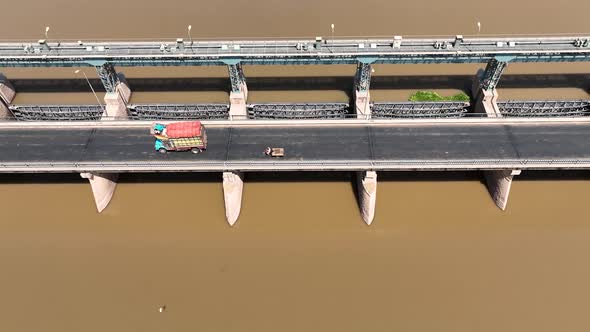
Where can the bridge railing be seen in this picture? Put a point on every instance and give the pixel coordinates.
(272, 165)
(303, 111)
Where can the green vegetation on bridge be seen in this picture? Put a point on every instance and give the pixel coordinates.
(433, 96)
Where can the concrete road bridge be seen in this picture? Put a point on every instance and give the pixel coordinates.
(499, 148)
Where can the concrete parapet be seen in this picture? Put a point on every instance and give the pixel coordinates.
(7, 94)
(499, 183)
(367, 194)
(116, 102)
(103, 187)
(362, 103)
(233, 185)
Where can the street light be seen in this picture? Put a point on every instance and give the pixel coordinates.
(91, 88)
(332, 33)
(189, 34)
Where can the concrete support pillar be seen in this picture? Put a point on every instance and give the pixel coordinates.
(486, 97)
(499, 183)
(103, 187)
(233, 185)
(362, 104)
(239, 92)
(362, 97)
(7, 94)
(484, 87)
(116, 102)
(485, 101)
(367, 194)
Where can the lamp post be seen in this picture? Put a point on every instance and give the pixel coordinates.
(189, 34)
(91, 88)
(332, 33)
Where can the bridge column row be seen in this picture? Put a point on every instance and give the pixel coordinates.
(484, 91)
(116, 98)
(233, 186)
(239, 92)
(484, 87)
(103, 186)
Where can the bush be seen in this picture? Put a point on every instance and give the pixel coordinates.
(433, 96)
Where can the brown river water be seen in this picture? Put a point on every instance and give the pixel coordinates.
(439, 256)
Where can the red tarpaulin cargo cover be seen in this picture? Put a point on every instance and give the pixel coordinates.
(183, 129)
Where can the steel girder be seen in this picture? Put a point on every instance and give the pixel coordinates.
(236, 76)
(362, 78)
(298, 111)
(492, 74)
(56, 112)
(178, 111)
(545, 108)
(108, 76)
(316, 60)
(446, 109)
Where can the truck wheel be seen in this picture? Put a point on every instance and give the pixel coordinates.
(162, 150)
(195, 150)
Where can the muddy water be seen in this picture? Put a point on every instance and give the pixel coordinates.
(439, 256)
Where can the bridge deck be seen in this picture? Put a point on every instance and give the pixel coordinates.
(307, 148)
(413, 50)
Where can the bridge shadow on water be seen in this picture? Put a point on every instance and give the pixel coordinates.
(288, 177)
(343, 83)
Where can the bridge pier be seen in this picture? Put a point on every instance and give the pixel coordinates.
(484, 87)
(117, 94)
(233, 185)
(7, 94)
(367, 194)
(485, 101)
(499, 183)
(484, 91)
(239, 92)
(103, 187)
(362, 97)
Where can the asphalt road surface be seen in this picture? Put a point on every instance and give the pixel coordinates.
(400, 142)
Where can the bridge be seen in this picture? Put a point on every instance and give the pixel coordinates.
(394, 50)
(101, 153)
(496, 52)
(468, 135)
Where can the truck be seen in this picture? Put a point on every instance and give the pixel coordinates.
(179, 136)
